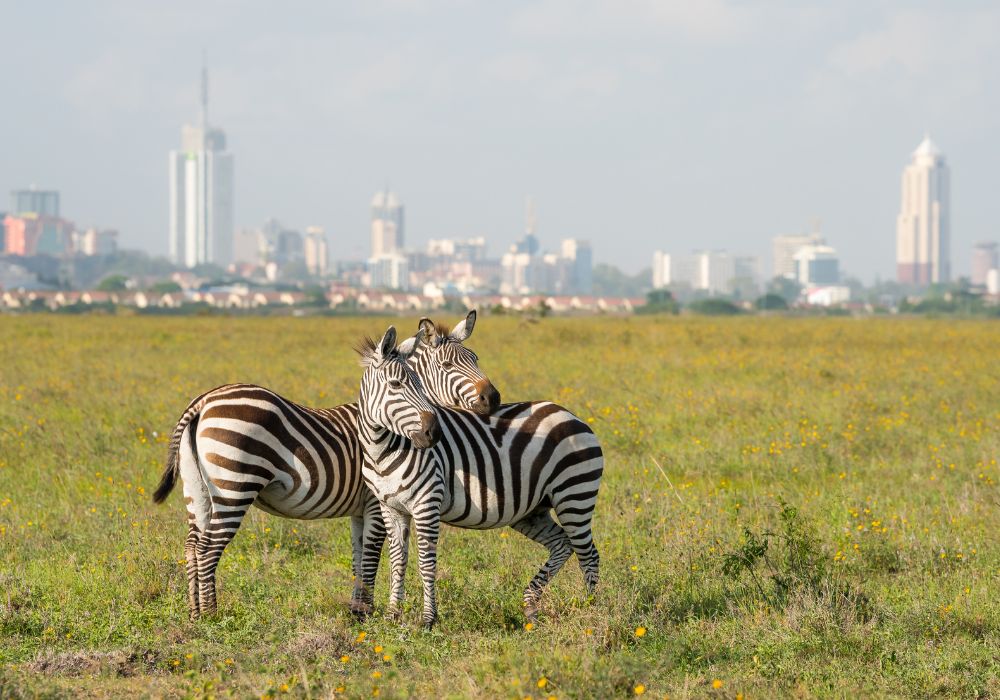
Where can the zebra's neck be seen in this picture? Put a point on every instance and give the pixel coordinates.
(378, 442)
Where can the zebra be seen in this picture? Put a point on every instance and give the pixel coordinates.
(241, 444)
(511, 467)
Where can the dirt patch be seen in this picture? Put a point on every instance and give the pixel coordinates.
(312, 645)
(118, 662)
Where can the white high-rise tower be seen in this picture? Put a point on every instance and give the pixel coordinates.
(387, 224)
(923, 236)
(201, 193)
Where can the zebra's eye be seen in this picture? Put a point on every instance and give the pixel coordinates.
(446, 365)
(395, 384)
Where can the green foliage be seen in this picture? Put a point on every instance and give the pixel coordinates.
(113, 283)
(771, 302)
(876, 576)
(714, 307)
(165, 287)
(608, 280)
(659, 301)
(785, 288)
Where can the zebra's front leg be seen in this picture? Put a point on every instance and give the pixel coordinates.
(427, 530)
(397, 527)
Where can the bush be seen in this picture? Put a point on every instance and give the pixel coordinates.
(715, 307)
(771, 302)
(659, 301)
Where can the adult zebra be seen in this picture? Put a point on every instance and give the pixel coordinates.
(240, 445)
(508, 468)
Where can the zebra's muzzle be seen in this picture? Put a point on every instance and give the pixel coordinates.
(488, 398)
(429, 432)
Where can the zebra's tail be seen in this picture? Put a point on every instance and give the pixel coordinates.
(169, 477)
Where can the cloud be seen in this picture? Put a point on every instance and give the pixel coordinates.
(918, 41)
(704, 21)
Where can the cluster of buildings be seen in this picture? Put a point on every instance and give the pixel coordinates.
(35, 226)
(923, 249)
(201, 232)
(456, 266)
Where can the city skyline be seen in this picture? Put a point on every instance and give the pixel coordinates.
(557, 100)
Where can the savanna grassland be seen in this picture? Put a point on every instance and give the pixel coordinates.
(790, 507)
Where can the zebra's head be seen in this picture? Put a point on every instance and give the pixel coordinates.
(450, 371)
(392, 396)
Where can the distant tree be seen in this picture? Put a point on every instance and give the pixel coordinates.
(113, 283)
(608, 280)
(315, 296)
(659, 301)
(208, 270)
(785, 288)
(771, 302)
(165, 287)
(715, 307)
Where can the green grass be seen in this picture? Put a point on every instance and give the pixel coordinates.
(882, 435)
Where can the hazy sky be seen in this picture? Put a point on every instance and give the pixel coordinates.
(637, 125)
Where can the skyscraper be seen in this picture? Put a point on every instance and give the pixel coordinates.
(387, 224)
(34, 201)
(201, 193)
(985, 257)
(783, 250)
(578, 260)
(923, 239)
(315, 245)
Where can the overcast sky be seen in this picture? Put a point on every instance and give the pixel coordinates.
(637, 125)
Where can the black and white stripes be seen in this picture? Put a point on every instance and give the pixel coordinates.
(240, 445)
(510, 468)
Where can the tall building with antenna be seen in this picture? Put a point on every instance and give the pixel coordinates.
(201, 193)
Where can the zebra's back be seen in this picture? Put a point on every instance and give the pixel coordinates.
(499, 469)
(298, 462)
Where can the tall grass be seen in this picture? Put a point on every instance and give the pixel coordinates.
(794, 507)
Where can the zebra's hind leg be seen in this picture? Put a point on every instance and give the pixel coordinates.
(576, 522)
(397, 526)
(367, 538)
(540, 527)
(227, 514)
(191, 562)
(359, 606)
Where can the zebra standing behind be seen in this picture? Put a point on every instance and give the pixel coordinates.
(240, 445)
(509, 468)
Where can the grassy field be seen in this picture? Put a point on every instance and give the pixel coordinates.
(791, 507)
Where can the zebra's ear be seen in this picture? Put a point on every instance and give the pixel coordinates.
(428, 332)
(387, 344)
(463, 330)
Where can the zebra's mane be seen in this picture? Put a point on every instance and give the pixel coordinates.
(441, 335)
(366, 349)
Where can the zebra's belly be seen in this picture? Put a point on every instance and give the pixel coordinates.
(274, 499)
(475, 513)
